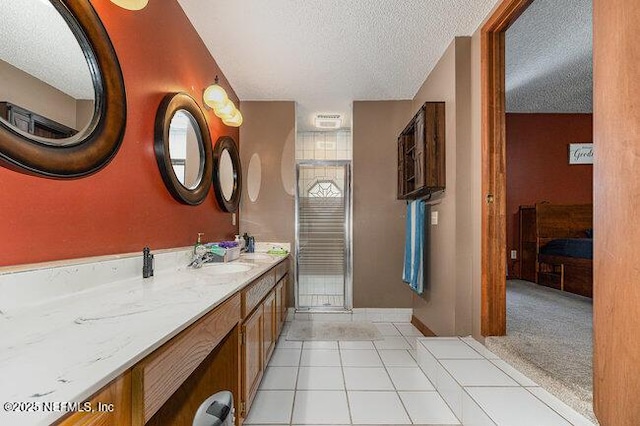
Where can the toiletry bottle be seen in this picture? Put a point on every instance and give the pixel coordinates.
(240, 241)
(246, 240)
(252, 245)
(199, 249)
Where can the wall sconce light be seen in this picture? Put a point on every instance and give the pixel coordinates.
(235, 120)
(131, 4)
(216, 97)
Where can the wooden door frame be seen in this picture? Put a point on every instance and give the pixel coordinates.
(494, 180)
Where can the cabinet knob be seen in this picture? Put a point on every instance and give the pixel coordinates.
(489, 198)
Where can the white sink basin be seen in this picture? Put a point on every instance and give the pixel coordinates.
(256, 256)
(227, 268)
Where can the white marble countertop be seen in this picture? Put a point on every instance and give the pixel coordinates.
(68, 348)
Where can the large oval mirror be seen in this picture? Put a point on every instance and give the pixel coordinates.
(183, 148)
(227, 179)
(62, 97)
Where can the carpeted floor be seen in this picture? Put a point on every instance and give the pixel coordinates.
(549, 338)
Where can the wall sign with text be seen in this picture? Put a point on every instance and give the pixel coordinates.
(580, 153)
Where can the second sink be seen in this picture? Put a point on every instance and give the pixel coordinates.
(227, 268)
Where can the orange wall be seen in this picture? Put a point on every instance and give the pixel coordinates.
(538, 165)
(125, 206)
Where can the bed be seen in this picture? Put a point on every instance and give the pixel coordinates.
(556, 246)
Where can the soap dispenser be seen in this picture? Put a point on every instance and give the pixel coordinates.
(199, 249)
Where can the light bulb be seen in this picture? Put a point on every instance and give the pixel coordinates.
(225, 110)
(215, 96)
(235, 120)
(131, 4)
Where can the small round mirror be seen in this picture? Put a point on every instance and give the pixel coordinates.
(186, 149)
(226, 178)
(183, 148)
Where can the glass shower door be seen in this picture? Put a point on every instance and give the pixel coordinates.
(323, 207)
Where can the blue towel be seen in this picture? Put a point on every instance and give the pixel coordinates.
(412, 273)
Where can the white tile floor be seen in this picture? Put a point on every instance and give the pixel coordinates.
(403, 379)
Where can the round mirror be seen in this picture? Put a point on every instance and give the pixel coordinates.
(183, 148)
(62, 98)
(186, 149)
(227, 177)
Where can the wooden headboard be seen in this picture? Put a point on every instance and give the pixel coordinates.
(563, 221)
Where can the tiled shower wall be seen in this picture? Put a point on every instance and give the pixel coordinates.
(324, 145)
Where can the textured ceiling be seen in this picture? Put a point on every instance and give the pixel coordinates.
(37, 40)
(549, 58)
(324, 54)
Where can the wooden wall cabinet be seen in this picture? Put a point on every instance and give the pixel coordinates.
(33, 123)
(421, 153)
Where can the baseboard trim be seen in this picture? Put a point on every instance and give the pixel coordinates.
(421, 327)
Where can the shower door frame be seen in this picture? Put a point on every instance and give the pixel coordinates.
(348, 255)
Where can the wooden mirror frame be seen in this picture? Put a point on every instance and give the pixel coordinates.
(227, 142)
(93, 147)
(172, 103)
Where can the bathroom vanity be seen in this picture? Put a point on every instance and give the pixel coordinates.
(137, 351)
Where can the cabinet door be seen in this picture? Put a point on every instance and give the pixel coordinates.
(21, 120)
(420, 150)
(283, 295)
(269, 331)
(278, 312)
(401, 173)
(434, 139)
(112, 406)
(252, 365)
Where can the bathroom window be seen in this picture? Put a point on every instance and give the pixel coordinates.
(325, 189)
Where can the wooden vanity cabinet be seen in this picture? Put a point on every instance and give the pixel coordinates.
(261, 328)
(228, 348)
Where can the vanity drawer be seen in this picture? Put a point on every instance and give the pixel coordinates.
(159, 375)
(282, 269)
(258, 290)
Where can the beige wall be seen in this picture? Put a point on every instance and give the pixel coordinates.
(33, 94)
(269, 131)
(378, 217)
(446, 305)
(84, 113)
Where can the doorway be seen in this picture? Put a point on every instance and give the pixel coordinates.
(323, 235)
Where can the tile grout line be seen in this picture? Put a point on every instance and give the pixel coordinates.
(393, 384)
(344, 382)
(556, 411)
(295, 386)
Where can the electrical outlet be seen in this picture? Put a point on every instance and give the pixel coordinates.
(233, 219)
(514, 254)
(434, 217)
